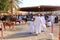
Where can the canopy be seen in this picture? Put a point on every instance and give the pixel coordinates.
(40, 8)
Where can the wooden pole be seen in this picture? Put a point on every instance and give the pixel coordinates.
(52, 28)
(59, 30)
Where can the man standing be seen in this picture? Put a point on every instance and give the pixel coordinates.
(31, 20)
(37, 24)
(32, 26)
(52, 19)
(43, 22)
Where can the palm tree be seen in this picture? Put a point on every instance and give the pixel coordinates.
(15, 4)
(3, 5)
(6, 5)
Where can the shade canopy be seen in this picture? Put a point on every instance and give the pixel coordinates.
(40, 8)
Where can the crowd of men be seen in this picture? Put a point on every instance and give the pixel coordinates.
(39, 22)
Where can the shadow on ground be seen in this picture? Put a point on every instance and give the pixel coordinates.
(19, 35)
(45, 39)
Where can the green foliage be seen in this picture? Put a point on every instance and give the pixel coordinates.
(5, 5)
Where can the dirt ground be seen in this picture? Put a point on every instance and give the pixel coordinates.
(21, 32)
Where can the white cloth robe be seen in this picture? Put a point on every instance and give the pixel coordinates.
(20, 18)
(31, 26)
(43, 22)
(49, 24)
(37, 25)
(52, 19)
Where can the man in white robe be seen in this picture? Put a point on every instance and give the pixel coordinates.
(52, 18)
(32, 27)
(20, 18)
(43, 23)
(37, 25)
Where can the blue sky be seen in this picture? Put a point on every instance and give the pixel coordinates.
(27, 3)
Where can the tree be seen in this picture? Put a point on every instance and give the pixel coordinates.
(6, 5)
(15, 4)
(3, 5)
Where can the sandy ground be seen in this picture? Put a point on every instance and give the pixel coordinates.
(21, 32)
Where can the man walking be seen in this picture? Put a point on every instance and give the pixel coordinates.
(43, 22)
(37, 24)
